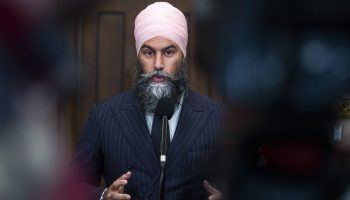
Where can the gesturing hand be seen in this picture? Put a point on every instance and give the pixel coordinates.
(115, 191)
(214, 194)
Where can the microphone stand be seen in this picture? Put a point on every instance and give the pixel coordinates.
(163, 153)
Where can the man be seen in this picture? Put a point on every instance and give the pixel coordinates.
(118, 139)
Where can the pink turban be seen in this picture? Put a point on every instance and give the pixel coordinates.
(161, 19)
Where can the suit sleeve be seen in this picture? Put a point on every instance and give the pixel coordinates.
(88, 160)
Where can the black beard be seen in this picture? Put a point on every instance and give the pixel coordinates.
(148, 92)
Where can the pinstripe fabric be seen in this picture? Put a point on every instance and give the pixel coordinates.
(116, 139)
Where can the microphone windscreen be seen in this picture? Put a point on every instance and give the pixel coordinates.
(165, 107)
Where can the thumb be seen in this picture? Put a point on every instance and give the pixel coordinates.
(214, 194)
(210, 189)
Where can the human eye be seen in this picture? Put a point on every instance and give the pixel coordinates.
(169, 52)
(147, 52)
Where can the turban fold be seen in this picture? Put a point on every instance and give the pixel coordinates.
(161, 19)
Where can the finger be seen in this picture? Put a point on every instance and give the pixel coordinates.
(126, 176)
(118, 185)
(215, 194)
(117, 196)
(122, 196)
(215, 197)
(210, 189)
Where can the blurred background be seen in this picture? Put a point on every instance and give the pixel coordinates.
(284, 70)
(281, 69)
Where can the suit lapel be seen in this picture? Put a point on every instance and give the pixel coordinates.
(134, 127)
(191, 121)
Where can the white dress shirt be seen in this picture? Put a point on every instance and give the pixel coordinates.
(172, 122)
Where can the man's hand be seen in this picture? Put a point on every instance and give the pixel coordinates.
(115, 191)
(214, 194)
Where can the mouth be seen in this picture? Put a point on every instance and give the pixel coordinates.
(158, 78)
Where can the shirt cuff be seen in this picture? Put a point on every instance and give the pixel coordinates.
(101, 198)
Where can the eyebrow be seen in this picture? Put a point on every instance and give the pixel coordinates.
(168, 47)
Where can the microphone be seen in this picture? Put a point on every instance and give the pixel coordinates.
(164, 110)
(165, 107)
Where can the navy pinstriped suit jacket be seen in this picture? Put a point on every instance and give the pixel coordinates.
(116, 139)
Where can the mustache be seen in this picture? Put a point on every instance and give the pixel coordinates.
(162, 73)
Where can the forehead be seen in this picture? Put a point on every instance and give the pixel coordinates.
(159, 43)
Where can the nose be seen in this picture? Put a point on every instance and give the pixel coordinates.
(159, 65)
